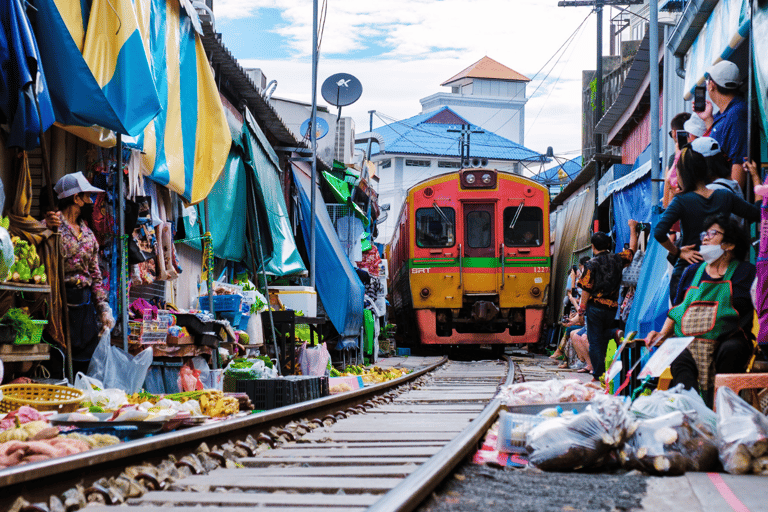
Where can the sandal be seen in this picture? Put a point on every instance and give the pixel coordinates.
(555, 355)
(584, 370)
(563, 365)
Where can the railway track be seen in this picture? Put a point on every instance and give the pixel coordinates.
(388, 458)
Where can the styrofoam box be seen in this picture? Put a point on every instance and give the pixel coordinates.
(298, 298)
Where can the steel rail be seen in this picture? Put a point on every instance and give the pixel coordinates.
(162, 444)
(412, 491)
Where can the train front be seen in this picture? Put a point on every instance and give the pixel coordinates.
(480, 260)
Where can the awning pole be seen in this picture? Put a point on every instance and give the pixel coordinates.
(123, 244)
(654, 63)
(208, 240)
(750, 98)
(313, 138)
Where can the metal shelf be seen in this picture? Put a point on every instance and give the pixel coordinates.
(25, 287)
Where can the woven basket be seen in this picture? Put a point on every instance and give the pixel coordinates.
(43, 397)
(37, 334)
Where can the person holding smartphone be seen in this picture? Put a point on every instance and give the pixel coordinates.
(729, 126)
(676, 132)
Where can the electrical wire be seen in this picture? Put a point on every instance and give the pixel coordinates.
(321, 29)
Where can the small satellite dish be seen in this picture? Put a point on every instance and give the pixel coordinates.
(322, 128)
(341, 89)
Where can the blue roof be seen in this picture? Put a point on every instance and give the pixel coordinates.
(550, 176)
(427, 134)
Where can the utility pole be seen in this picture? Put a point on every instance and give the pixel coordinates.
(313, 141)
(598, 5)
(466, 131)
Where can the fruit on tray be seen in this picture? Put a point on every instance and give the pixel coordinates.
(27, 265)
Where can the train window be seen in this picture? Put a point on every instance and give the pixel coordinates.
(523, 226)
(435, 227)
(478, 229)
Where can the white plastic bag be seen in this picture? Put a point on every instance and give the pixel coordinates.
(118, 369)
(314, 360)
(742, 434)
(98, 395)
(677, 399)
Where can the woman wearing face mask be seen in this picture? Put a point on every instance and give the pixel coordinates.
(694, 204)
(86, 297)
(714, 305)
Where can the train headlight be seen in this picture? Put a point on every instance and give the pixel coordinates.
(486, 178)
(425, 292)
(470, 178)
(535, 291)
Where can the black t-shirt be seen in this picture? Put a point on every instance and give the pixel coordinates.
(741, 281)
(691, 209)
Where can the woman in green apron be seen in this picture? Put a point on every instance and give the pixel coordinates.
(713, 304)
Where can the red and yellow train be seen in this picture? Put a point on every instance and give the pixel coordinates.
(469, 261)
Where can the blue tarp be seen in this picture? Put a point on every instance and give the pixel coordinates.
(631, 203)
(338, 286)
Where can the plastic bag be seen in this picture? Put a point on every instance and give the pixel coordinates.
(189, 379)
(314, 360)
(742, 434)
(585, 440)
(677, 399)
(550, 391)
(95, 392)
(118, 369)
(669, 445)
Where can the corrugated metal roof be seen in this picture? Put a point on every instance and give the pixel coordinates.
(488, 68)
(418, 136)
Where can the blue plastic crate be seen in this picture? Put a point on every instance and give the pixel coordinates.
(403, 351)
(222, 302)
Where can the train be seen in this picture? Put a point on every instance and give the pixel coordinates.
(469, 260)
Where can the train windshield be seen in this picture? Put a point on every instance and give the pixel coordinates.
(435, 227)
(523, 227)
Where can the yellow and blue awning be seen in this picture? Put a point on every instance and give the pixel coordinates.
(21, 79)
(96, 64)
(187, 144)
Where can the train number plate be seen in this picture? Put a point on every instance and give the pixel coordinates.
(541, 269)
(419, 271)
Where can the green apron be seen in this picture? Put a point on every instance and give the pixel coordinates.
(707, 313)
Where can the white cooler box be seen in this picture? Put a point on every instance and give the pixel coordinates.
(298, 298)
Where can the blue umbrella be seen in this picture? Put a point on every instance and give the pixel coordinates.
(22, 79)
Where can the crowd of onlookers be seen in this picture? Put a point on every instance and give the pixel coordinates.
(708, 204)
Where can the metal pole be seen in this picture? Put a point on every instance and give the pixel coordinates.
(123, 253)
(313, 138)
(750, 100)
(598, 110)
(666, 114)
(209, 284)
(654, 58)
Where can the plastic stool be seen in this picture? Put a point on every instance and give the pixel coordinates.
(738, 381)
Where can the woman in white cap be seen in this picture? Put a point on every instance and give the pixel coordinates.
(86, 297)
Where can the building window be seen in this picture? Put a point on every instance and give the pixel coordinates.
(444, 164)
(385, 164)
(418, 163)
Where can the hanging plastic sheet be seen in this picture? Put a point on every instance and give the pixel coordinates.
(96, 64)
(187, 144)
(630, 203)
(760, 42)
(21, 78)
(338, 286)
(283, 258)
(651, 304)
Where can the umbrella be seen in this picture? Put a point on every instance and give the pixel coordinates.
(21, 77)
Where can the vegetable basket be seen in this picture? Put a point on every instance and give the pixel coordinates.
(43, 397)
(37, 334)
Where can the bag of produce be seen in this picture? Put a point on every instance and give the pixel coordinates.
(669, 445)
(550, 391)
(677, 399)
(585, 440)
(742, 435)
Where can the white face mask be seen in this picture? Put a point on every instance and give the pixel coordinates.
(711, 253)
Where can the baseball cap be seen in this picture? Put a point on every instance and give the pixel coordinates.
(725, 74)
(695, 126)
(706, 146)
(74, 183)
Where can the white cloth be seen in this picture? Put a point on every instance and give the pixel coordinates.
(350, 231)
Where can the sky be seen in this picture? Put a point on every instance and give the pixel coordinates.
(402, 50)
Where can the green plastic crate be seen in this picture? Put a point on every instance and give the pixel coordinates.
(37, 334)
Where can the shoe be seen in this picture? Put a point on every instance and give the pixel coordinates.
(578, 365)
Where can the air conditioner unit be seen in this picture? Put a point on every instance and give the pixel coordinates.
(345, 140)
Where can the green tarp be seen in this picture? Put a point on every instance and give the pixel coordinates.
(229, 199)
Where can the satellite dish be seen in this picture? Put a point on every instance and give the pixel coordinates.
(322, 128)
(341, 89)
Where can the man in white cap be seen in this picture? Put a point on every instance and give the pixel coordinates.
(729, 126)
(695, 128)
(87, 299)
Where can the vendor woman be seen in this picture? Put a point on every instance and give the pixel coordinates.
(714, 305)
(89, 311)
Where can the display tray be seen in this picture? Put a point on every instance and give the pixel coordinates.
(142, 427)
(537, 408)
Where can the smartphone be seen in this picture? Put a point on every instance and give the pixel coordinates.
(682, 138)
(699, 98)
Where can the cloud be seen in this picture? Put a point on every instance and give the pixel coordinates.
(409, 47)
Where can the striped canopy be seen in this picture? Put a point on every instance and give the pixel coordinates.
(96, 64)
(187, 144)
